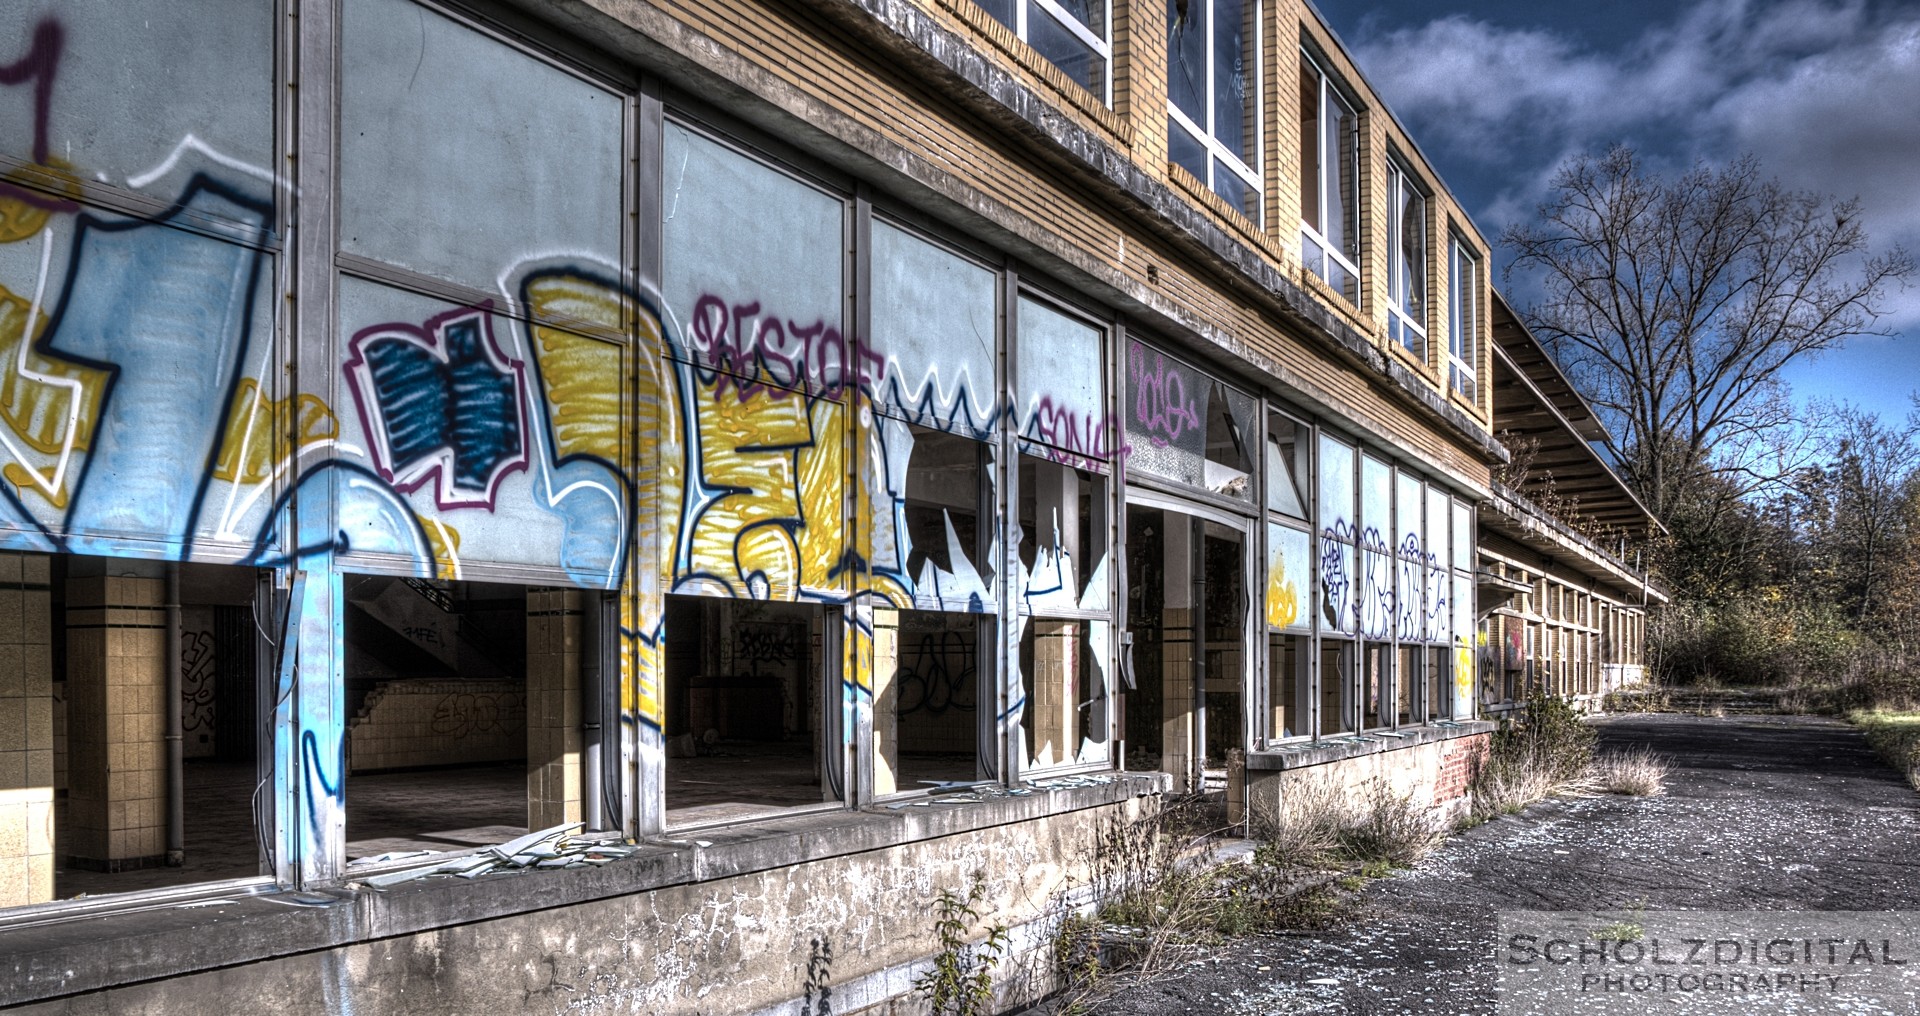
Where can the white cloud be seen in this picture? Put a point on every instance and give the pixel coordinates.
(1825, 92)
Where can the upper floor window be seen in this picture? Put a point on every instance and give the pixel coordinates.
(1212, 131)
(1463, 317)
(1329, 169)
(1406, 261)
(1073, 34)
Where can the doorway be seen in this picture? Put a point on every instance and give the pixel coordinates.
(1188, 606)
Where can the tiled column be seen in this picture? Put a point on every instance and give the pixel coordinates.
(553, 706)
(116, 715)
(1056, 666)
(886, 701)
(26, 732)
(1177, 649)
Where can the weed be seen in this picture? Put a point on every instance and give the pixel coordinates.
(1391, 830)
(1076, 950)
(1895, 736)
(1376, 869)
(961, 980)
(1351, 883)
(1548, 751)
(1619, 931)
(1635, 772)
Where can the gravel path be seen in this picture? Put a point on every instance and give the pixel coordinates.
(1761, 813)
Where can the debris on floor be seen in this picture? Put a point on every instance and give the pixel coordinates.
(547, 848)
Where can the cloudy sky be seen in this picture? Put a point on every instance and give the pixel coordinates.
(1826, 93)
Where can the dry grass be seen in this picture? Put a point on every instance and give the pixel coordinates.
(1635, 772)
(1896, 736)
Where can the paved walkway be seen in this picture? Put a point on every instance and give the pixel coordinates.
(1762, 813)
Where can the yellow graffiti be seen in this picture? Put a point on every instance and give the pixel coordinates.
(50, 405)
(444, 541)
(253, 421)
(20, 219)
(1283, 597)
(581, 375)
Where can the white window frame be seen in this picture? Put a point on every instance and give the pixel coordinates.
(1401, 326)
(1079, 31)
(1208, 142)
(1328, 185)
(1463, 318)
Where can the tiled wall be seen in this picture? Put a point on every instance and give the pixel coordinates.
(432, 722)
(116, 711)
(26, 733)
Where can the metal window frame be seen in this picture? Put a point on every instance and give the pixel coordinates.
(1327, 91)
(1249, 175)
(1463, 316)
(1400, 184)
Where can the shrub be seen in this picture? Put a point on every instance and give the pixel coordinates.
(1547, 751)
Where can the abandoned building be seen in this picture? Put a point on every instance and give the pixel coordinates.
(814, 452)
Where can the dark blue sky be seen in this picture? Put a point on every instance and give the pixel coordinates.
(1826, 93)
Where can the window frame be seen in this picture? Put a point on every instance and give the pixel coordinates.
(1079, 30)
(1218, 153)
(1328, 92)
(1464, 273)
(1402, 328)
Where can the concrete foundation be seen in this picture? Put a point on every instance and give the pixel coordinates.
(1429, 764)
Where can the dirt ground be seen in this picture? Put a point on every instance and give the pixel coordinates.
(1761, 813)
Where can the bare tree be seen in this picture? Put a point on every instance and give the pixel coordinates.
(1677, 303)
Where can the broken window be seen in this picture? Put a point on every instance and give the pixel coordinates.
(934, 334)
(1064, 612)
(103, 663)
(1329, 160)
(1339, 708)
(1289, 455)
(1376, 606)
(933, 662)
(1338, 593)
(1289, 691)
(1412, 555)
(1463, 317)
(1071, 34)
(1184, 426)
(1410, 678)
(1213, 52)
(1376, 685)
(1059, 381)
(464, 713)
(1406, 261)
(748, 717)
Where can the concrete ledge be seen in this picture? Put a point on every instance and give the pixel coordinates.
(51, 958)
(1335, 749)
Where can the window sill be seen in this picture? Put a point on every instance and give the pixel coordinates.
(99, 951)
(1029, 60)
(1300, 754)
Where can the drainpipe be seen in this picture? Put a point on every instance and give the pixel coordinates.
(176, 788)
(592, 800)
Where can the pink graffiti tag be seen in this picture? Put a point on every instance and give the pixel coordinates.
(1161, 405)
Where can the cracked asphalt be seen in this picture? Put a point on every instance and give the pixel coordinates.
(1761, 813)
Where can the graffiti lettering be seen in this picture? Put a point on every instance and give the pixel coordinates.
(746, 348)
(1161, 406)
(461, 714)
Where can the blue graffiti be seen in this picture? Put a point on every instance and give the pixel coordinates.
(441, 401)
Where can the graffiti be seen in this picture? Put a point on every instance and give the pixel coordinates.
(817, 995)
(197, 666)
(764, 350)
(1161, 406)
(762, 650)
(40, 65)
(461, 714)
(442, 403)
(430, 636)
(1336, 580)
(1072, 438)
(941, 675)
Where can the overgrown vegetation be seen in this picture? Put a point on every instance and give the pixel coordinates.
(960, 982)
(1635, 772)
(1546, 751)
(1896, 736)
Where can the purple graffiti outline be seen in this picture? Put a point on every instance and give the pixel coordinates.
(1157, 407)
(766, 358)
(41, 65)
(428, 337)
